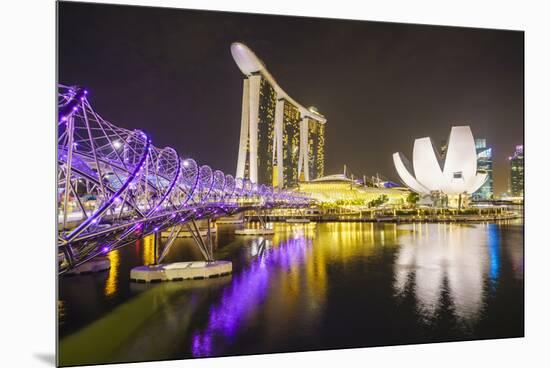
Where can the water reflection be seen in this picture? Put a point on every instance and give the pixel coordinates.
(61, 312)
(148, 254)
(308, 286)
(249, 289)
(284, 288)
(112, 279)
(447, 260)
(493, 240)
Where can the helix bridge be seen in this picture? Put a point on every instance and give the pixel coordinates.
(115, 187)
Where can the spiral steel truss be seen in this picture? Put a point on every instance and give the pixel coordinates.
(114, 186)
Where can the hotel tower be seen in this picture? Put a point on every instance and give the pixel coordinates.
(281, 142)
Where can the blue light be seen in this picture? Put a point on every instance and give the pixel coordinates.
(493, 241)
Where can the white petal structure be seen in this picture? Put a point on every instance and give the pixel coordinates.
(459, 173)
(403, 168)
(427, 168)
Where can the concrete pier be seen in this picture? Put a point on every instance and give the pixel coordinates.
(97, 264)
(180, 271)
(258, 231)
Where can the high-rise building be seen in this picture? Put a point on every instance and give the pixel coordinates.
(316, 148)
(484, 165)
(281, 142)
(442, 148)
(516, 172)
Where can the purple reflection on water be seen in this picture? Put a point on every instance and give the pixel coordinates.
(246, 291)
(202, 345)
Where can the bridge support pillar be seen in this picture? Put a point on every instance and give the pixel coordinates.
(180, 271)
(261, 230)
(231, 219)
(184, 233)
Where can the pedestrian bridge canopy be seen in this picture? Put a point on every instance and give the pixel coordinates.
(114, 186)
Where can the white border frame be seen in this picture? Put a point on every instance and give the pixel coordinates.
(28, 112)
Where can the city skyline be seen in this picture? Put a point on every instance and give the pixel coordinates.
(368, 78)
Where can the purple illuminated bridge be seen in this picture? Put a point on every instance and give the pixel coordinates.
(114, 186)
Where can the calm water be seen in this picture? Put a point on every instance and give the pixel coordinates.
(308, 287)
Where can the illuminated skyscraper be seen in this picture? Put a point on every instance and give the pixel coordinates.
(516, 172)
(315, 147)
(281, 142)
(484, 165)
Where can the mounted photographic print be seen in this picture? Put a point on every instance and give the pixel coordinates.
(236, 184)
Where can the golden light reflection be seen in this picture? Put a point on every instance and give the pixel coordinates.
(149, 249)
(304, 262)
(288, 288)
(304, 277)
(112, 280)
(61, 311)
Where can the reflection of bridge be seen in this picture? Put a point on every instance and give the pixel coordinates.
(115, 187)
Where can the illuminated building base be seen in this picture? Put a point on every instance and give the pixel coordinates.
(180, 271)
(456, 201)
(98, 264)
(441, 200)
(338, 188)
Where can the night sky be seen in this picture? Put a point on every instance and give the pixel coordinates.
(170, 73)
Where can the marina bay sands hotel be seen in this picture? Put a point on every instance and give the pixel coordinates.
(281, 142)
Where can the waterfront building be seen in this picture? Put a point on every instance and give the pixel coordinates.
(484, 165)
(456, 176)
(516, 172)
(335, 189)
(281, 142)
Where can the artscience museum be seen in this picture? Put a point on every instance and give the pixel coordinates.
(454, 177)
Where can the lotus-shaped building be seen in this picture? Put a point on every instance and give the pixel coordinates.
(454, 175)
